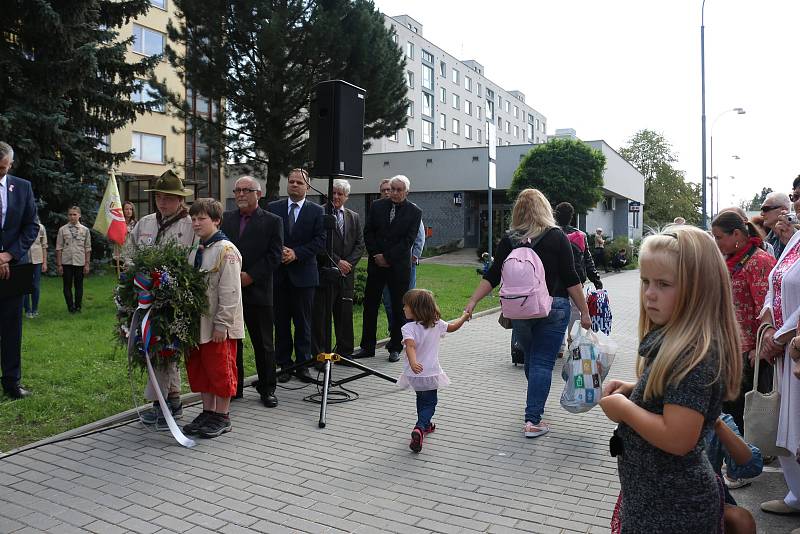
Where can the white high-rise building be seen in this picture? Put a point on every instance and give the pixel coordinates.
(451, 100)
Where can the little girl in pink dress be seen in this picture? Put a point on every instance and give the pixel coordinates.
(421, 371)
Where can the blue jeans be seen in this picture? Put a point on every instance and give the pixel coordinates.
(31, 302)
(541, 339)
(426, 405)
(387, 297)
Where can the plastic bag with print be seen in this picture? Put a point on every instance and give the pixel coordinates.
(590, 357)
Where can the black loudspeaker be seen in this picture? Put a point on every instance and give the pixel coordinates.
(337, 130)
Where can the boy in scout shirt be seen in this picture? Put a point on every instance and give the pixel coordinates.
(170, 222)
(211, 366)
(73, 252)
(38, 253)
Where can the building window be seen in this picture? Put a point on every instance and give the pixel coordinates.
(144, 93)
(456, 77)
(456, 126)
(410, 110)
(544, 128)
(427, 104)
(468, 83)
(489, 94)
(537, 124)
(147, 147)
(507, 106)
(442, 121)
(427, 132)
(393, 137)
(410, 137)
(161, 4)
(410, 79)
(456, 145)
(427, 77)
(499, 142)
(410, 50)
(489, 108)
(146, 41)
(467, 131)
(478, 112)
(516, 131)
(456, 101)
(499, 124)
(427, 56)
(516, 112)
(467, 107)
(442, 143)
(442, 95)
(479, 90)
(478, 135)
(508, 127)
(443, 69)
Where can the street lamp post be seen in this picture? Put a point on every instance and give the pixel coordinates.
(704, 221)
(739, 111)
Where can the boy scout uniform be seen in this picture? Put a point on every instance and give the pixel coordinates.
(39, 246)
(146, 233)
(74, 241)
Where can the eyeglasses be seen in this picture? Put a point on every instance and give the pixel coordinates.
(765, 209)
(386, 190)
(238, 190)
(398, 189)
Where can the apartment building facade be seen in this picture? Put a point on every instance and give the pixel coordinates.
(452, 100)
(157, 138)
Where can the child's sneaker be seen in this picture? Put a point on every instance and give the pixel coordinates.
(534, 431)
(430, 428)
(197, 423)
(416, 440)
(151, 415)
(215, 426)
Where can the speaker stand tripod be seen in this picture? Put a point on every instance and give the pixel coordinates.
(330, 274)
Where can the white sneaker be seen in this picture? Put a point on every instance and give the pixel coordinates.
(534, 431)
(736, 483)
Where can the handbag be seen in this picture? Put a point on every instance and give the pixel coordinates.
(504, 322)
(762, 410)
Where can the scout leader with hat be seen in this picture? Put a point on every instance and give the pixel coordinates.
(171, 222)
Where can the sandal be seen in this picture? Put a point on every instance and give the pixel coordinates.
(534, 431)
(416, 440)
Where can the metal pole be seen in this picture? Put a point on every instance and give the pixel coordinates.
(711, 169)
(704, 221)
(490, 242)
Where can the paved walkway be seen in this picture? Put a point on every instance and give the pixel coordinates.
(277, 472)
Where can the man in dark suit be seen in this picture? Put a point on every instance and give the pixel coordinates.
(258, 235)
(19, 227)
(389, 232)
(297, 277)
(348, 247)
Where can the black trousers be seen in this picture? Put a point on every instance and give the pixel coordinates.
(342, 318)
(293, 306)
(11, 340)
(396, 278)
(258, 320)
(73, 276)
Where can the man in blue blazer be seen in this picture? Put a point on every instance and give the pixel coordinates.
(297, 277)
(19, 227)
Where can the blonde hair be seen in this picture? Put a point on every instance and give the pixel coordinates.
(703, 320)
(423, 307)
(531, 215)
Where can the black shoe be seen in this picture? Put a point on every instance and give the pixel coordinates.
(269, 399)
(238, 396)
(303, 375)
(361, 353)
(283, 377)
(215, 426)
(193, 428)
(394, 356)
(17, 392)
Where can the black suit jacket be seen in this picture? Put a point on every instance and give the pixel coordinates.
(393, 240)
(307, 239)
(21, 225)
(350, 246)
(261, 244)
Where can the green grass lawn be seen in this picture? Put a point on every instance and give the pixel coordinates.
(78, 374)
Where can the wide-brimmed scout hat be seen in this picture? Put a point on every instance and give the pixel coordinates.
(171, 184)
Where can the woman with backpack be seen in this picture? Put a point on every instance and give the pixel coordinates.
(534, 244)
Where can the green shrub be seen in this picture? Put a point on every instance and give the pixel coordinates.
(360, 282)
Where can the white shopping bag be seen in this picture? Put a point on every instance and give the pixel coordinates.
(590, 357)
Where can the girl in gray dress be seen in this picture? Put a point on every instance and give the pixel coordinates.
(688, 364)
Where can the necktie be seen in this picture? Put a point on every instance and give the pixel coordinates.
(292, 211)
(392, 212)
(1, 205)
(340, 222)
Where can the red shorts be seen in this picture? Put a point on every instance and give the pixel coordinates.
(211, 368)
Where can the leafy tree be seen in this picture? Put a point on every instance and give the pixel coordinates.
(758, 200)
(66, 86)
(667, 194)
(564, 170)
(263, 58)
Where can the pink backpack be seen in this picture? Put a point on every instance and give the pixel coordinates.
(524, 294)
